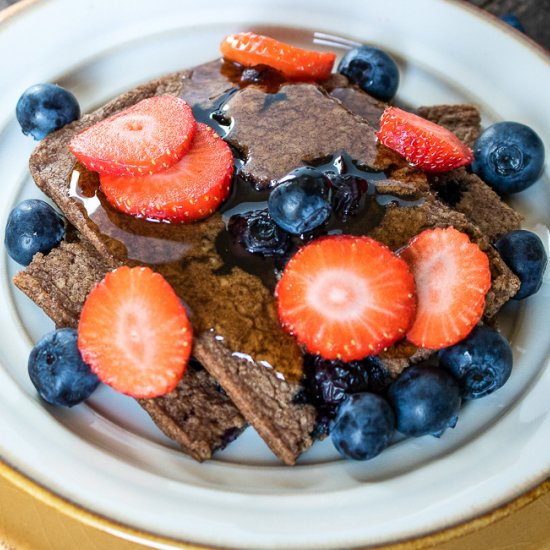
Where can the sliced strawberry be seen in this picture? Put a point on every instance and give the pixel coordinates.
(452, 278)
(250, 49)
(134, 333)
(190, 190)
(346, 297)
(424, 144)
(148, 137)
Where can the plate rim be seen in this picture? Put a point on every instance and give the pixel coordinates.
(88, 517)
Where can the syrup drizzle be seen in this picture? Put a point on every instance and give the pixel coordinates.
(228, 290)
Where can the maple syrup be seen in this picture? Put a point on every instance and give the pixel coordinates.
(228, 290)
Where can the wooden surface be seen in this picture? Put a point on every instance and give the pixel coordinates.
(533, 14)
(26, 523)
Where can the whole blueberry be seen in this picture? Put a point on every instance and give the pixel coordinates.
(257, 233)
(43, 108)
(524, 253)
(57, 370)
(425, 400)
(513, 21)
(300, 201)
(509, 156)
(33, 226)
(373, 70)
(481, 363)
(363, 427)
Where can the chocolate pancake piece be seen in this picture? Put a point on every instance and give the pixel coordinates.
(196, 415)
(266, 400)
(463, 120)
(355, 100)
(238, 336)
(399, 225)
(277, 132)
(60, 281)
(470, 195)
(269, 116)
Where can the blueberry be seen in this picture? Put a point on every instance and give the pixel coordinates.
(43, 108)
(373, 70)
(300, 201)
(524, 253)
(33, 226)
(509, 156)
(481, 363)
(513, 21)
(57, 370)
(347, 192)
(363, 427)
(425, 399)
(257, 233)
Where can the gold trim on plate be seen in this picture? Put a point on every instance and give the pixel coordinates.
(75, 511)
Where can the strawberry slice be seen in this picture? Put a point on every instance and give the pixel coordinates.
(452, 278)
(134, 333)
(346, 297)
(191, 190)
(250, 49)
(148, 137)
(424, 144)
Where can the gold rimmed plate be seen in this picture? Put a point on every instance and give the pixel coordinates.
(108, 459)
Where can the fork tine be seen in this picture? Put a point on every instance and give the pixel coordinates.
(321, 38)
(333, 44)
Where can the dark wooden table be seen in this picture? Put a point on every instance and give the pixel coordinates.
(533, 14)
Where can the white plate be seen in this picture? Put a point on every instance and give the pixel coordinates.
(109, 458)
